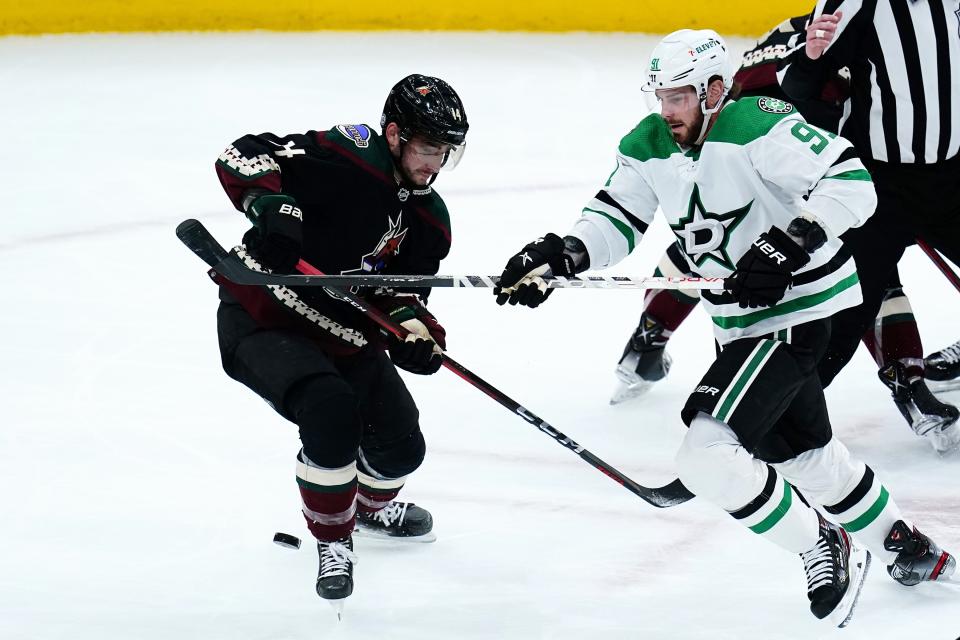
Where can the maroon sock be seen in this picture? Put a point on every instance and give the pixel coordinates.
(895, 336)
(667, 308)
(371, 500)
(329, 499)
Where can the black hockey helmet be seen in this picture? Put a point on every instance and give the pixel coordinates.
(427, 106)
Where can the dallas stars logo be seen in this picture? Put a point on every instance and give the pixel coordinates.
(774, 105)
(705, 235)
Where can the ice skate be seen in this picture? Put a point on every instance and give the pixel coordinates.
(399, 521)
(942, 369)
(644, 361)
(919, 559)
(335, 578)
(836, 568)
(927, 416)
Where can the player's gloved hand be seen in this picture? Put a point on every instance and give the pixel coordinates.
(765, 271)
(421, 351)
(277, 237)
(520, 282)
(416, 354)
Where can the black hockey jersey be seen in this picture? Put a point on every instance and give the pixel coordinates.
(357, 218)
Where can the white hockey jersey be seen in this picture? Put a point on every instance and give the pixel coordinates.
(760, 165)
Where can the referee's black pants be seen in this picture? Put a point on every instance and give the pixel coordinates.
(913, 201)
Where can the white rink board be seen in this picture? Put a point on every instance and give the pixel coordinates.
(141, 487)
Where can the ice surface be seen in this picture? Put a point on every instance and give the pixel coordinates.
(140, 487)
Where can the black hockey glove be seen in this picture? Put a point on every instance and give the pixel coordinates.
(765, 271)
(416, 355)
(422, 350)
(520, 282)
(277, 237)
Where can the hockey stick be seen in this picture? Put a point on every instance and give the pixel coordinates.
(941, 264)
(193, 234)
(232, 268)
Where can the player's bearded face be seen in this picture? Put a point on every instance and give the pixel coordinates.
(421, 159)
(680, 108)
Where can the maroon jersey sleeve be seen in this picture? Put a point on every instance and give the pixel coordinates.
(252, 163)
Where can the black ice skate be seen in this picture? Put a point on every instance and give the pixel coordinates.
(335, 578)
(836, 568)
(927, 416)
(398, 520)
(942, 368)
(644, 361)
(918, 557)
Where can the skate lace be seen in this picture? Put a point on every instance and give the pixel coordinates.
(392, 513)
(336, 559)
(952, 353)
(818, 563)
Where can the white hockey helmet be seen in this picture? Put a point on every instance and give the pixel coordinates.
(689, 57)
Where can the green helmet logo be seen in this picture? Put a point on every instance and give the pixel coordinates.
(655, 64)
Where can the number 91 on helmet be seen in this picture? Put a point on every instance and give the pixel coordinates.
(683, 60)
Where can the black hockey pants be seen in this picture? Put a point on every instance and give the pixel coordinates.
(340, 404)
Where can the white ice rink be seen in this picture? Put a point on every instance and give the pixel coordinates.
(140, 487)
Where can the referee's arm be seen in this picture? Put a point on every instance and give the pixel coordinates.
(802, 77)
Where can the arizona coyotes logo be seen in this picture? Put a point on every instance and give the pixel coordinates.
(388, 246)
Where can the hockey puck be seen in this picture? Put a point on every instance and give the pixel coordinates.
(286, 540)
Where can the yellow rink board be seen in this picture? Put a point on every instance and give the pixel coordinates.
(729, 17)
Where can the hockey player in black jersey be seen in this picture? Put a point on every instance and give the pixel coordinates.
(346, 200)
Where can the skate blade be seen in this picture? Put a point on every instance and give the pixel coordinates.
(629, 385)
(945, 440)
(859, 565)
(338, 607)
(625, 392)
(376, 534)
(926, 424)
(943, 386)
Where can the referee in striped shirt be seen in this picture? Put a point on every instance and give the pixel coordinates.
(903, 117)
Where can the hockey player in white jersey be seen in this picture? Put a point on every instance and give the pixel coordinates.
(758, 196)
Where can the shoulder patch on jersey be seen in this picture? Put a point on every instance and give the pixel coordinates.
(649, 139)
(743, 121)
(360, 145)
(358, 133)
(774, 105)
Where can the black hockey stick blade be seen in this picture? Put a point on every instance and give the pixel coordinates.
(669, 495)
(195, 236)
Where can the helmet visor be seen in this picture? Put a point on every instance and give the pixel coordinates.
(442, 155)
(672, 102)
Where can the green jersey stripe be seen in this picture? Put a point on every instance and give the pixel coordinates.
(870, 514)
(856, 174)
(797, 304)
(777, 514)
(621, 226)
(759, 357)
(322, 488)
(897, 318)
